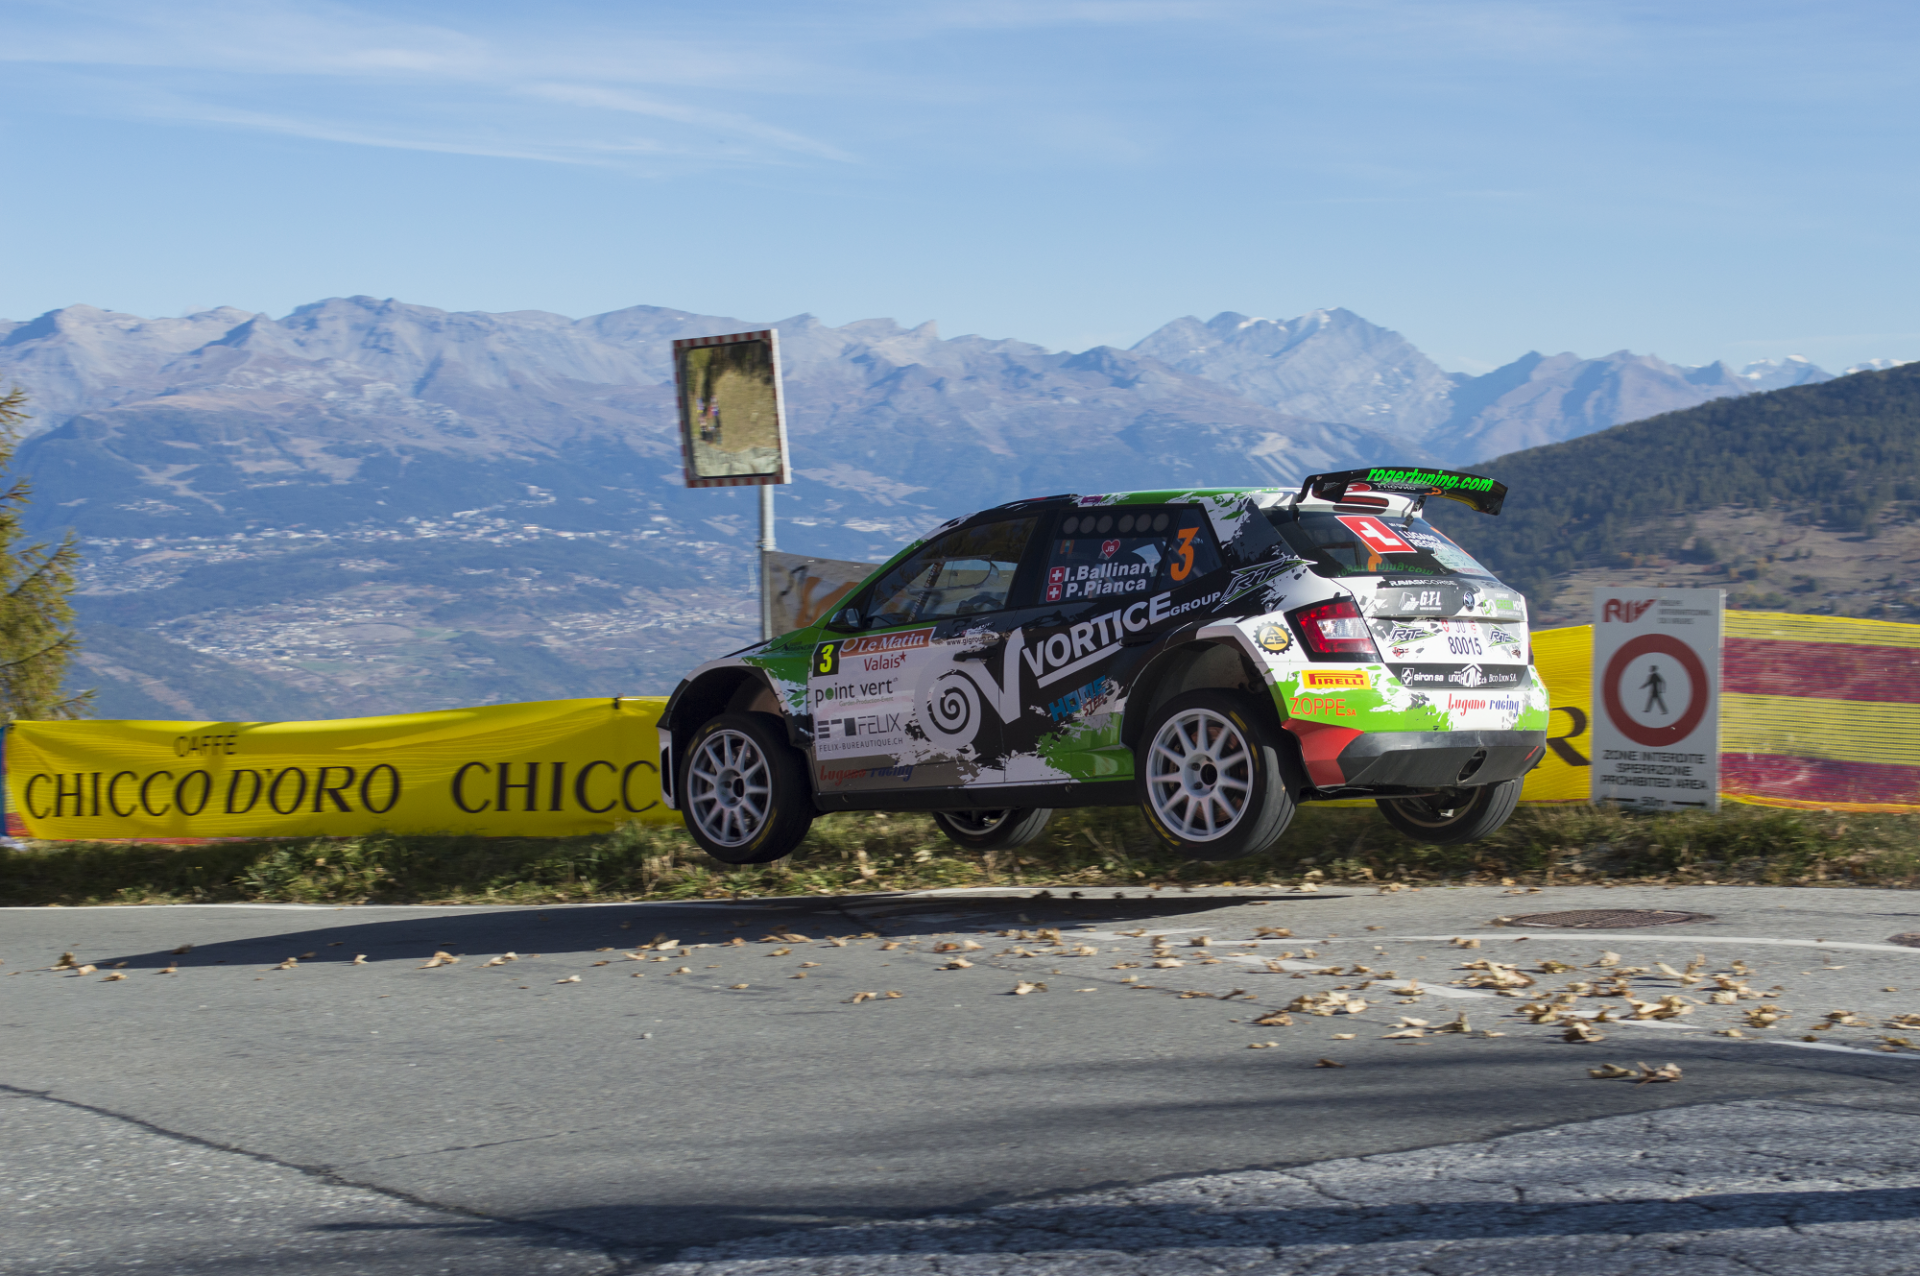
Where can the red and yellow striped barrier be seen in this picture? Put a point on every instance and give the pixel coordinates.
(1820, 712)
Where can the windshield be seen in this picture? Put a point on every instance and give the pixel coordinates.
(1371, 545)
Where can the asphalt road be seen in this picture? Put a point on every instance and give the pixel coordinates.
(238, 1115)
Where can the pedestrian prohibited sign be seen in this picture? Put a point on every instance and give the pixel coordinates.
(1656, 725)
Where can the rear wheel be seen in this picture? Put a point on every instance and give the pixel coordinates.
(992, 830)
(1453, 815)
(1210, 781)
(744, 790)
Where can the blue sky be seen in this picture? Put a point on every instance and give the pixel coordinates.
(1701, 180)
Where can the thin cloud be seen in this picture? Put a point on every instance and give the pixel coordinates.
(722, 121)
(404, 74)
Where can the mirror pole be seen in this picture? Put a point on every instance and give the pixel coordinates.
(766, 548)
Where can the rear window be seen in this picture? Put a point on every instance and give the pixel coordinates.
(1371, 545)
(1125, 550)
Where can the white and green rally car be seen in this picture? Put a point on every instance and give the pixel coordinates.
(1215, 656)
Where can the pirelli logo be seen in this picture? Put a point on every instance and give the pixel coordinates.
(1356, 678)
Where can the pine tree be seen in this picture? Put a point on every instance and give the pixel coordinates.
(37, 638)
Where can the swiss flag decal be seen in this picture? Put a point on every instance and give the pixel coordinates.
(1376, 534)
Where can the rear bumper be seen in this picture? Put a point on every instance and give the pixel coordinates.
(1340, 757)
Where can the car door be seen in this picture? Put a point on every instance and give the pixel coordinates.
(915, 695)
(1110, 579)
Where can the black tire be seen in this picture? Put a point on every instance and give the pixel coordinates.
(1209, 777)
(744, 790)
(992, 830)
(1453, 815)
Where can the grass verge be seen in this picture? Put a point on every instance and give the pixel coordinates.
(1102, 847)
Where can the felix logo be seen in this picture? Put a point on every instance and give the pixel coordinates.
(1624, 612)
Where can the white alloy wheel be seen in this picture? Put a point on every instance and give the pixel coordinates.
(978, 823)
(729, 789)
(1200, 775)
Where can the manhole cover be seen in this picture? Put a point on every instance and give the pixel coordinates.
(1608, 918)
(1906, 939)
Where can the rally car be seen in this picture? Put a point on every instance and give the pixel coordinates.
(1215, 656)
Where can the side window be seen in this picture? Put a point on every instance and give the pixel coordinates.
(1128, 550)
(961, 574)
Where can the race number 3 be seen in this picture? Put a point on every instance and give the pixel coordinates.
(826, 660)
(1181, 569)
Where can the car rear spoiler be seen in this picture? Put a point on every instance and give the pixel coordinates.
(1472, 490)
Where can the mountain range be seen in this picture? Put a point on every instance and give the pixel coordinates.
(373, 505)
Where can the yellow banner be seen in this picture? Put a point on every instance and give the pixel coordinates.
(1564, 659)
(540, 769)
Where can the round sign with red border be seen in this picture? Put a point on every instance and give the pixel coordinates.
(1699, 694)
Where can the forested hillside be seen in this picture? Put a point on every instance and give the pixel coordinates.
(1837, 462)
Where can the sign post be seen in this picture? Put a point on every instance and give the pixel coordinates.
(733, 424)
(1656, 697)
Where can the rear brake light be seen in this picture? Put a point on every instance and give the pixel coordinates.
(1334, 631)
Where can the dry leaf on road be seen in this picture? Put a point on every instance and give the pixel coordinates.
(1610, 1071)
(1328, 1063)
(502, 959)
(1666, 1072)
(570, 979)
(1580, 1030)
(1024, 987)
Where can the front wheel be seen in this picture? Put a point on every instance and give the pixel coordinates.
(1453, 815)
(1210, 781)
(992, 830)
(744, 790)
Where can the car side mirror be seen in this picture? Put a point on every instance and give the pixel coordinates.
(846, 618)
